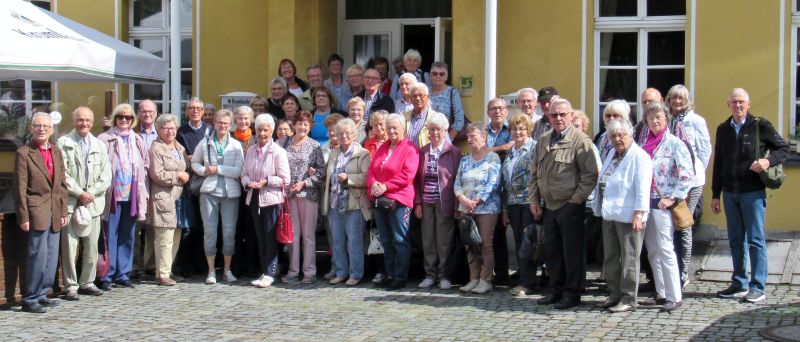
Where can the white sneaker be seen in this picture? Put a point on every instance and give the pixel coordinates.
(255, 282)
(211, 279)
(483, 287)
(266, 281)
(426, 283)
(378, 278)
(445, 284)
(229, 277)
(471, 285)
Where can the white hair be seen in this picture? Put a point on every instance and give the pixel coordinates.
(407, 76)
(265, 118)
(530, 91)
(619, 126)
(396, 117)
(420, 86)
(439, 120)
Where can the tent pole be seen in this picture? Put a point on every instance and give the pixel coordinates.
(175, 59)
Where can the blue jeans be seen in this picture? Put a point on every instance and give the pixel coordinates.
(40, 270)
(347, 230)
(745, 214)
(393, 232)
(120, 242)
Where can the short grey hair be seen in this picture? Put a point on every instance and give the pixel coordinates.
(478, 126)
(223, 113)
(619, 126)
(561, 101)
(739, 92)
(497, 100)
(656, 107)
(344, 123)
(680, 90)
(265, 118)
(419, 86)
(166, 118)
(210, 106)
(243, 110)
(441, 65)
(279, 80)
(313, 66)
(530, 91)
(438, 119)
(412, 55)
(195, 100)
(397, 117)
(407, 76)
(42, 114)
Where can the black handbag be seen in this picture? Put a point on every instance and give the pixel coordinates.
(774, 176)
(385, 203)
(469, 235)
(529, 250)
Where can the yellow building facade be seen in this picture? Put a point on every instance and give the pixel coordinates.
(590, 50)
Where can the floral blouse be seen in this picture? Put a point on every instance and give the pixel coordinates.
(444, 102)
(482, 179)
(516, 173)
(301, 158)
(672, 168)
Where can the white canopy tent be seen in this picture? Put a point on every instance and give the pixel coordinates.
(40, 45)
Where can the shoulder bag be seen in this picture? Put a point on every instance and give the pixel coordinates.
(682, 218)
(772, 178)
(283, 228)
(462, 134)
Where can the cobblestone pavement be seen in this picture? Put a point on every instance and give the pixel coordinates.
(194, 311)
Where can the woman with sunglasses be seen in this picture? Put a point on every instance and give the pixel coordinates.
(446, 99)
(126, 198)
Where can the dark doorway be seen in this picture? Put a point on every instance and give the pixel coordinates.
(420, 38)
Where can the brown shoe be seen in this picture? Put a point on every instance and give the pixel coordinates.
(166, 281)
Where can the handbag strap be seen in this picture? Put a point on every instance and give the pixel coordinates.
(452, 106)
(758, 139)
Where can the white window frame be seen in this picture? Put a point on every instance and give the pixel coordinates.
(643, 25)
(163, 33)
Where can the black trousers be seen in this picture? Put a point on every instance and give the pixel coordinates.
(565, 247)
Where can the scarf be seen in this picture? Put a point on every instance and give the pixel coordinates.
(243, 136)
(652, 142)
(126, 163)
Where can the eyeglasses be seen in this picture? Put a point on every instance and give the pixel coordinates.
(560, 115)
(372, 78)
(418, 96)
(41, 126)
(194, 108)
(437, 74)
(124, 117)
(276, 89)
(497, 108)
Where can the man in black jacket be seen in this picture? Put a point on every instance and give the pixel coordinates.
(742, 141)
(372, 96)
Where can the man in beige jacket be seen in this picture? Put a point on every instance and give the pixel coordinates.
(563, 174)
(88, 176)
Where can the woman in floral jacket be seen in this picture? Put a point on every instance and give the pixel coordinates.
(672, 177)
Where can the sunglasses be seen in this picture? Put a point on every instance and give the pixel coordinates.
(124, 117)
(435, 73)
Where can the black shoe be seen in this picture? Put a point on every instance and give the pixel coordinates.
(48, 303)
(671, 306)
(607, 304)
(71, 296)
(396, 285)
(90, 291)
(660, 301)
(124, 283)
(104, 285)
(732, 292)
(34, 308)
(568, 302)
(384, 283)
(549, 299)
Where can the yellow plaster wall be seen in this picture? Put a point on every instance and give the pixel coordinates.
(539, 44)
(738, 46)
(468, 27)
(234, 45)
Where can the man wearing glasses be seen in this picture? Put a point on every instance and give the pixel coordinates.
(278, 88)
(373, 98)
(144, 256)
(40, 197)
(191, 255)
(417, 117)
(563, 174)
(314, 76)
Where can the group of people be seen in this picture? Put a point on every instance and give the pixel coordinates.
(367, 153)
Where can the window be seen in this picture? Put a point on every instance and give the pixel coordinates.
(638, 44)
(150, 30)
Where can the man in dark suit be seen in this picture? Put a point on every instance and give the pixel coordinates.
(40, 197)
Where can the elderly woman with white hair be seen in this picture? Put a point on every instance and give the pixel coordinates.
(265, 174)
(390, 184)
(623, 192)
(434, 202)
(402, 103)
(695, 132)
(345, 203)
(412, 60)
(615, 110)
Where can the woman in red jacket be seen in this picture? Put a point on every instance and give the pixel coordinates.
(390, 181)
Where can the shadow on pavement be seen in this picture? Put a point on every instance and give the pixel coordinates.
(751, 324)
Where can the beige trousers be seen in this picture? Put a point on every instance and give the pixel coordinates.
(167, 242)
(69, 255)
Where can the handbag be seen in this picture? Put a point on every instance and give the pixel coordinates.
(385, 203)
(103, 259)
(462, 134)
(284, 233)
(682, 218)
(772, 178)
(375, 246)
(469, 235)
(529, 249)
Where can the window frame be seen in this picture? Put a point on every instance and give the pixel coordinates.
(643, 25)
(163, 33)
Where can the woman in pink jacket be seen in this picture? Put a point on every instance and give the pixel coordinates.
(264, 176)
(390, 181)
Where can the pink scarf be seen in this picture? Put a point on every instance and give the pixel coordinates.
(652, 141)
